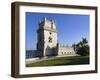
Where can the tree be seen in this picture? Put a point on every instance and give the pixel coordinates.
(82, 48)
(83, 51)
(84, 41)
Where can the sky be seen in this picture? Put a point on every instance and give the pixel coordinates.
(71, 28)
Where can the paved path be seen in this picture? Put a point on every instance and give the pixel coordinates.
(33, 60)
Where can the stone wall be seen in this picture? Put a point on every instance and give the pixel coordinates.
(66, 51)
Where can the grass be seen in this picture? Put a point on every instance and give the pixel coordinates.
(75, 60)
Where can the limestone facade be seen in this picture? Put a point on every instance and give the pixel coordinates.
(65, 50)
(47, 41)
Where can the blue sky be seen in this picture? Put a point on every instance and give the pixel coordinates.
(71, 27)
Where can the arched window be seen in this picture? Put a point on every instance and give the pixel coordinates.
(50, 39)
(62, 52)
(50, 33)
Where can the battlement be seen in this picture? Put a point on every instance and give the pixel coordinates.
(47, 23)
(65, 46)
(46, 20)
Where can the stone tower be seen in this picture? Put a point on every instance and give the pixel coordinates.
(47, 38)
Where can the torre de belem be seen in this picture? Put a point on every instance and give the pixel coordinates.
(48, 43)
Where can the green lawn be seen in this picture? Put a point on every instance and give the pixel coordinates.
(76, 60)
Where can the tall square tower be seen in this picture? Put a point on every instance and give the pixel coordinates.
(47, 38)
